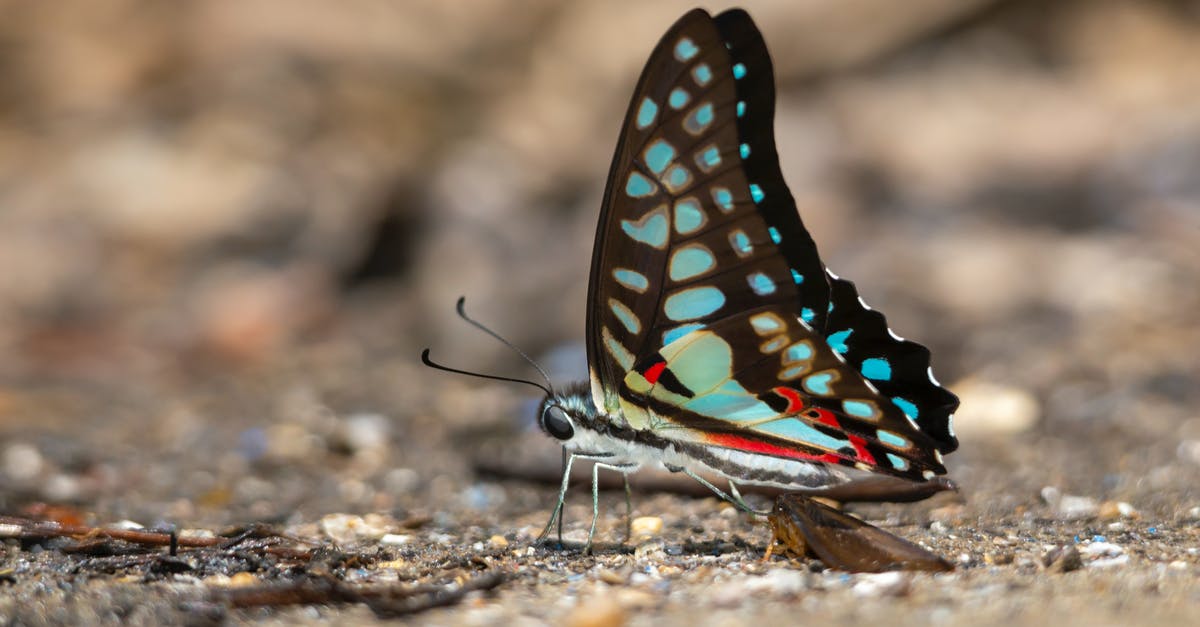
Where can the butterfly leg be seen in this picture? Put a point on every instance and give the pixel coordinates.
(556, 515)
(628, 510)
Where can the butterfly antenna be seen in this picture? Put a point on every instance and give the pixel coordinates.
(462, 313)
(432, 364)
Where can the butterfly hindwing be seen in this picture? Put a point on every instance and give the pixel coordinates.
(710, 314)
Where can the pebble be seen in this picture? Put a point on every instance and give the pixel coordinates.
(1069, 506)
(395, 539)
(498, 542)
(363, 432)
(22, 462)
(1112, 510)
(991, 409)
(243, 579)
(646, 526)
(1062, 559)
(892, 584)
(347, 528)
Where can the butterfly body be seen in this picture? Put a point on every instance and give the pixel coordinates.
(717, 339)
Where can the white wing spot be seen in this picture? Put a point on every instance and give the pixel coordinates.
(938, 456)
(950, 425)
(932, 379)
(871, 386)
(864, 303)
(894, 336)
(928, 474)
(831, 274)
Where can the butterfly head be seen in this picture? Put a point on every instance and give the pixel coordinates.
(570, 417)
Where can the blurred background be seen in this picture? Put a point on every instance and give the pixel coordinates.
(227, 229)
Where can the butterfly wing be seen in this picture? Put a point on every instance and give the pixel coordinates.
(709, 306)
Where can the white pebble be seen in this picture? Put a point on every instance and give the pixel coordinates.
(22, 462)
(891, 584)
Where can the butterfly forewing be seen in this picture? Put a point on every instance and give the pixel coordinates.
(709, 307)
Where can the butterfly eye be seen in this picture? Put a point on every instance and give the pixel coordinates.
(556, 423)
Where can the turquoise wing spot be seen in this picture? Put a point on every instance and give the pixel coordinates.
(678, 98)
(639, 186)
(625, 315)
(766, 323)
(689, 217)
(678, 177)
(893, 439)
(709, 158)
(744, 150)
(739, 70)
(693, 303)
(631, 279)
(723, 197)
(837, 341)
(619, 353)
(685, 49)
(796, 276)
(703, 74)
(674, 334)
(740, 242)
(761, 284)
(699, 119)
(819, 383)
(775, 237)
(906, 406)
(899, 463)
(771, 346)
(877, 368)
(807, 314)
(800, 351)
(651, 229)
(756, 193)
(691, 261)
(861, 409)
(646, 114)
(741, 109)
(659, 155)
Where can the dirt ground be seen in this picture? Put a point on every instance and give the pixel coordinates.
(228, 230)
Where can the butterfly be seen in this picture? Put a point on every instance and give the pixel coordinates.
(718, 344)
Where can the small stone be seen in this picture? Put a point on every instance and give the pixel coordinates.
(1102, 549)
(22, 462)
(1062, 559)
(989, 409)
(498, 542)
(395, 539)
(649, 549)
(646, 526)
(363, 432)
(1069, 506)
(341, 528)
(1112, 510)
(778, 581)
(600, 611)
(891, 584)
(10, 531)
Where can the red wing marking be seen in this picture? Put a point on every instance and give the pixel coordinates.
(654, 372)
(825, 417)
(740, 443)
(795, 403)
(860, 446)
